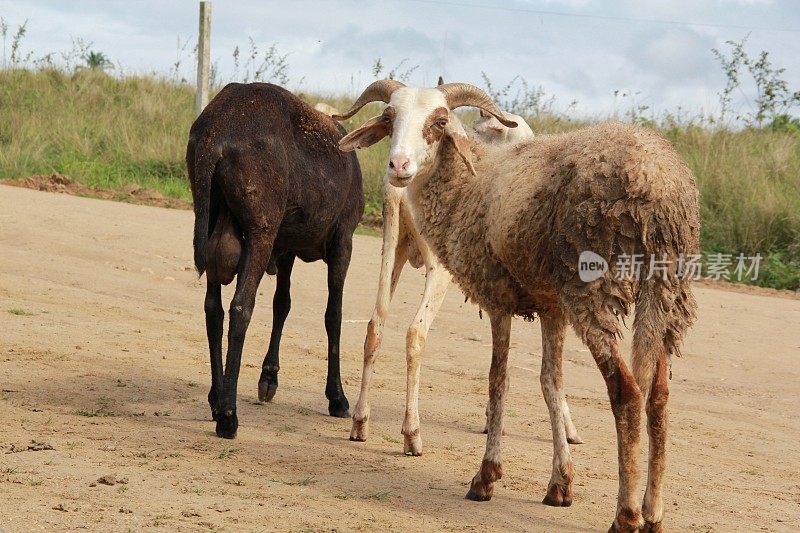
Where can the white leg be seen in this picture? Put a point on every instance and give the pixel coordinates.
(572, 433)
(393, 259)
(436, 281)
(559, 489)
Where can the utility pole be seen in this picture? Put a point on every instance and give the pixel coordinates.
(203, 57)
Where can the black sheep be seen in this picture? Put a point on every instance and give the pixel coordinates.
(269, 184)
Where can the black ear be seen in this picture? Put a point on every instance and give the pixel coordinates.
(365, 135)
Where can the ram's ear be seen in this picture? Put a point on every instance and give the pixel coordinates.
(462, 145)
(365, 135)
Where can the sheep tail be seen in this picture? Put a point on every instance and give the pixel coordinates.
(665, 310)
(653, 308)
(201, 173)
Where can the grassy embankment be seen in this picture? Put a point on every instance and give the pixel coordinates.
(109, 132)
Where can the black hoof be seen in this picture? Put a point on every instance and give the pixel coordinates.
(339, 408)
(267, 389)
(476, 496)
(555, 502)
(227, 424)
(212, 402)
(558, 495)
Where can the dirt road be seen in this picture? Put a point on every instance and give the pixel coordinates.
(104, 373)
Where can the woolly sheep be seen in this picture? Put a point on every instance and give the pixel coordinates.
(510, 223)
(402, 244)
(491, 131)
(326, 109)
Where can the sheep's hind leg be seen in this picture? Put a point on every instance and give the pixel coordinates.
(656, 408)
(281, 304)
(626, 404)
(215, 316)
(559, 489)
(651, 344)
(258, 247)
(482, 485)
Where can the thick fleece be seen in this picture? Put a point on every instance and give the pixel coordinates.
(511, 233)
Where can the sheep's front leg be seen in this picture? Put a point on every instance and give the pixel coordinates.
(572, 433)
(436, 281)
(393, 258)
(338, 263)
(482, 486)
(559, 489)
(486, 426)
(281, 304)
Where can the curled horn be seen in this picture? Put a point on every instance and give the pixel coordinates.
(463, 94)
(378, 91)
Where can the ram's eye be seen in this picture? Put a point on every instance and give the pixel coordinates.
(441, 123)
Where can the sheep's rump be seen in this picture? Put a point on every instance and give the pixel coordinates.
(612, 189)
(259, 150)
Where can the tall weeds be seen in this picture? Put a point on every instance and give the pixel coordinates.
(110, 131)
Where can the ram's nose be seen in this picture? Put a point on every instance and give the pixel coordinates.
(398, 165)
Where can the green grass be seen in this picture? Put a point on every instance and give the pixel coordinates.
(91, 413)
(110, 132)
(226, 453)
(102, 131)
(381, 495)
(749, 185)
(20, 312)
(304, 482)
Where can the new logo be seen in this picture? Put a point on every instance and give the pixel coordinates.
(591, 266)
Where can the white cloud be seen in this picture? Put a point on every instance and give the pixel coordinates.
(332, 44)
(569, 3)
(753, 2)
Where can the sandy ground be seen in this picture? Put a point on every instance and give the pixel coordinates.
(104, 373)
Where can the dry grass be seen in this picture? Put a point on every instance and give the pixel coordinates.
(109, 132)
(103, 131)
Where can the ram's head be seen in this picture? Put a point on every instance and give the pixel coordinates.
(417, 120)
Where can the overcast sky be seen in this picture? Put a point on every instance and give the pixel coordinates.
(575, 49)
